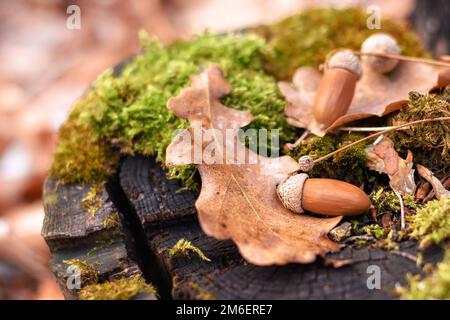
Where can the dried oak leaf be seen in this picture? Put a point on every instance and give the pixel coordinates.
(438, 188)
(375, 94)
(382, 157)
(443, 78)
(239, 201)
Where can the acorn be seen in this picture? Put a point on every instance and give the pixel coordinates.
(380, 43)
(305, 163)
(337, 87)
(329, 197)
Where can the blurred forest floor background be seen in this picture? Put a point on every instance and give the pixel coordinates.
(45, 67)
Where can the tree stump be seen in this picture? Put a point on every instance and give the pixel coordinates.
(154, 214)
(151, 214)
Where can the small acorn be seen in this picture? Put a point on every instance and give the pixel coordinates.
(329, 197)
(306, 163)
(337, 87)
(380, 43)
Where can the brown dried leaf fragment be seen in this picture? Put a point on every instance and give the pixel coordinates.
(423, 189)
(439, 189)
(382, 157)
(337, 263)
(375, 94)
(443, 78)
(239, 201)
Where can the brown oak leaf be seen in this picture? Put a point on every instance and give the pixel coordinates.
(443, 78)
(238, 201)
(438, 188)
(382, 157)
(375, 94)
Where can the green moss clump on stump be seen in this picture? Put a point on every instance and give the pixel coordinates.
(429, 142)
(431, 224)
(128, 114)
(435, 286)
(119, 289)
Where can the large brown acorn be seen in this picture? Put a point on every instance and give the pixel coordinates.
(337, 87)
(330, 197)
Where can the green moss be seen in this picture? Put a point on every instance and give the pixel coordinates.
(436, 285)
(373, 230)
(307, 38)
(382, 238)
(430, 142)
(92, 201)
(89, 273)
(201, 293)
(50, 199)
(128, 114)
(111, 221)
(101, 244)
(348, 165)
(431, 223)
(185, 247)
(120, 289)
(388, 243)
(383, 201)
(387, 201)
(80, 155)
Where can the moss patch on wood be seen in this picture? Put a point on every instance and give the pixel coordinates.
(81, 156)
(128, 114)
(436, 285)
(89, 272)
(92, 202)
(431, 223)
(119, 289)
(430, 142)
(201, 293)
(50, 199)
(101, 244)
(111, 221)
(184, 247)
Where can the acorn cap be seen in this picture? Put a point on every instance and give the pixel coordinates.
(380, 43)
(290, 192)
(345, 59)
(306, 163)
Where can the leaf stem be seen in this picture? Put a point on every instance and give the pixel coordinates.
(374, 135)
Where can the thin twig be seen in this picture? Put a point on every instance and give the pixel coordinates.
(292, 146)
(374, 135)
(405, 255)
(367, 129)
(402, 210)
(404, 58)
(364, 237)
